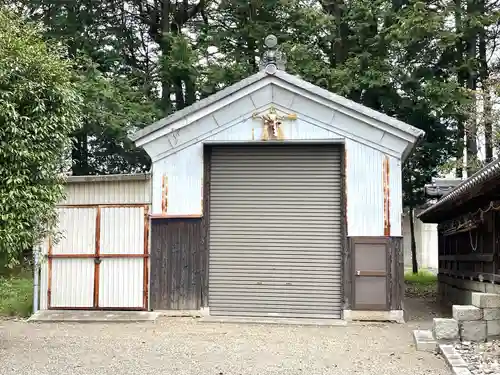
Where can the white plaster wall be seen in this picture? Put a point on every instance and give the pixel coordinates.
(426, 240)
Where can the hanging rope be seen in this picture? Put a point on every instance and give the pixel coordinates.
(474, 247)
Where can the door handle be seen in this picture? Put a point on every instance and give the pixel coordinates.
(371, 273)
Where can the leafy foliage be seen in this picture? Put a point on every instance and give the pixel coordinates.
(135, 61)
(16, 295)
(112, 109)
(39, 109)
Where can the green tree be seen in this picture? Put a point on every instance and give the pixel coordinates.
(112, 108)
(393, 57)
(109, 48)
(39, 109)
(401, 57)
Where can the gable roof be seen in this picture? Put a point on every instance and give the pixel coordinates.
(411, 133)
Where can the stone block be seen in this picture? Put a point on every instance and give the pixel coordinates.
(485, 300)
(473, 330)
(491, 314)
(424, 342)
(461, 371)
(451, 356)
(491, 288)
(466, 313)
(492, 328)
(445, 329)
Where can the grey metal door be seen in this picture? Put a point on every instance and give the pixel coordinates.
(275, 231)
(370, 265)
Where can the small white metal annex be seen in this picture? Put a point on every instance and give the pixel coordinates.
(100, 260)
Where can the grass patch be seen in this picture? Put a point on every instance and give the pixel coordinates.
(423, 277)
(16, 295)
(422, 284)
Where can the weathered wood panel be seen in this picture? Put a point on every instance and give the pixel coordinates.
(396, 277)
(176, 267)
(469, 245)
(204, 258)
(346, 261)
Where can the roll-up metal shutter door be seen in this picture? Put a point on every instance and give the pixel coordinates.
(275, 231)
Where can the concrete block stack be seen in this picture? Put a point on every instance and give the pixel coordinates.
(480, 320)
(470, 323)
(489, 303)
(476, 322)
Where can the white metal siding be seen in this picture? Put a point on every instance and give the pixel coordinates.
(122, 232)
(364, 172)
(184, 178)
(365, 190)
(275, 231)
(121, 279)
(109, 192)
(72, 283)
(121, 283)
(73, 279)
(76, 231)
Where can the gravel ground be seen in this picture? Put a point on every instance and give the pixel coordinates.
(185, 346)
(483, 358)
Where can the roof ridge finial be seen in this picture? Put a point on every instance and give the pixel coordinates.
(273, 57)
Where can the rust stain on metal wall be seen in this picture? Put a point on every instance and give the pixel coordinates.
(253, 134)
(164, 195)
(201, 201)
(146, 254)
(345, 185)
(97, 254)
(387, 199)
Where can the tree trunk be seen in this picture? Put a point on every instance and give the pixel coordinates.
(79, 155)
(164, 28)
(414, 262)
(190, 90)
(179, 94)
(471, 130)
(461, 80)
(487, 105)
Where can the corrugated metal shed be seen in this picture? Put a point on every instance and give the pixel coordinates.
(100, 258)
(190, 206)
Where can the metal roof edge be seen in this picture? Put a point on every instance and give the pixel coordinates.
(108, 178)
(352, 105)
(489, 171)
(196, 106)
